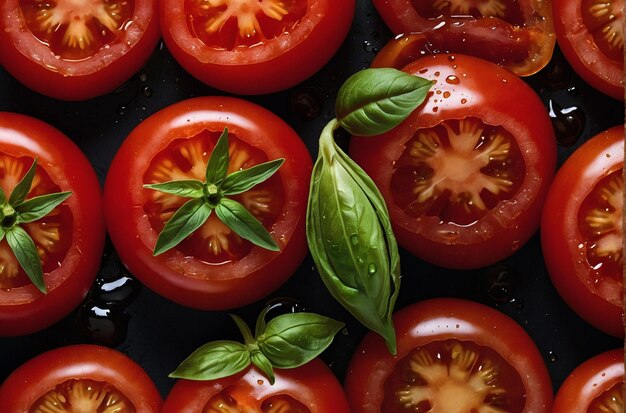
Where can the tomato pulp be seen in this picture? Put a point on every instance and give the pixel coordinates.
(213, 268)
(466, 175)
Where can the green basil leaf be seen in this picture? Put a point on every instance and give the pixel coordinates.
(237, 218)
(185, 221)
(3, 197)
(38, 207)
(243, 329)
(2, 233)
(241, 181)
(374, 101)
(213, 361)
(350, 237)
(25, 251)
(263, 364)
(187, 188)
(217, 168)
(23, 186)
(260, 321)
(291, 340)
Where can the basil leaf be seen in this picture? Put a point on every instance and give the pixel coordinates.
(240, 220)
(23, 186)
(374, 101)
(185, 220)
(291, 340)
(260, 322)
(3, 197)
(2, 233)
(188, 188)
(217, 168)
(213, 361)
(240, 181)
(350, 237)
(39, 206)
(25, 251)
(263, 364)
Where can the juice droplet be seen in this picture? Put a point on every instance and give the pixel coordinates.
(453, 80)
(446, 95)
(463, 101)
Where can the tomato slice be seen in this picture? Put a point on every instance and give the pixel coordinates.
(76, 49)
(518, 35)
(251, 46)
(83, 395)
(590, 33)
(582, 234)
(454, 356)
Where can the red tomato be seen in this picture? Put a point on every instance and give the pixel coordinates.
(591, 35)
(581, 231)
(76, 50)
(213, 268)
(596, 386)
(453, 356)
(79, 378)
(252, 46)
(517, 34)
(69, 240)
(465, 176)
(311, 388)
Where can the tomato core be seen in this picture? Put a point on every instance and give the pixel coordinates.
(603, 20)
(507, 10)
(83, 396)
(611, 401)
(228, 24)
(214, 242)
(453, 376)
(234, 399)
(52, 234)
(76, 29)
(457, 170)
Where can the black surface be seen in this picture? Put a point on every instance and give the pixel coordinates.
(161, 334)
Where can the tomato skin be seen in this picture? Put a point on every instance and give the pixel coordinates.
(582, 52)
(588, 381)
(24, 310)
(476, 89)
(276, 65)
(36, 66)
(441, 319)
(562, 241)
(226, 285)
(41, 374)
(312, 384)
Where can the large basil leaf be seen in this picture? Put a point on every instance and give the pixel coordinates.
(214, 360)
(374, 101)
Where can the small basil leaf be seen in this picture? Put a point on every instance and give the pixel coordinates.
(188, 188)
(241, 181)
(374, 101)
(263, 364)
(25, 251)
(243, 329)
(39, 206)
(23, 186)
(291, 340)
(213, 361)
(351, 241)
(218, 162)
(2, 233)
(260, 322)
(185, 220)
(244, 224)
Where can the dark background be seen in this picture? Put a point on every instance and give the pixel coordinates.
(159, 334)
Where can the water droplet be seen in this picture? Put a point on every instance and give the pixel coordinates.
(463, 101)
(143, 77)
(446, 95)
(147, 91)
(260, 382)
(552, 356)
(371, 269)
(306, 103)
(121, 110)
(453, 80)
(517, 303)
(500, 281)
(354, 239)
(569, 123)
(367, 46)
(283, 305)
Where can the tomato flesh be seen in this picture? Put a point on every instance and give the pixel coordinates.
(214, 242)
(76, 29)
(228, 24)
(611, 401)
(603, 20)
(233, 399)
(600, 222)
(457, 170)
(507, 10)
(52, 234)
(83, 396)
(454, 377)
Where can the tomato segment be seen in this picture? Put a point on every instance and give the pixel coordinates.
(235, 399)
(457, 170)
(603, 20)
(83, 396)
(52, 234)
(214, 242)
(453, 376)
(508, 10)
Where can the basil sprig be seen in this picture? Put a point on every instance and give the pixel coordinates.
(286, 341)
(211, 195)
(17, 210)
(348, 227)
